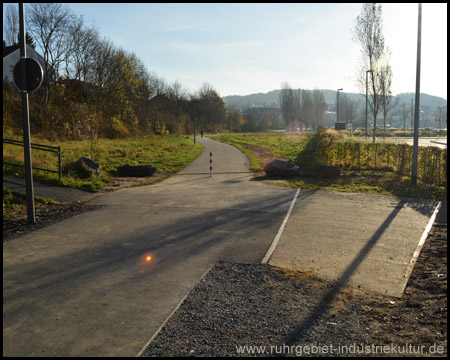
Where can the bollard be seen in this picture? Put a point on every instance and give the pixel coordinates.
(210, 164)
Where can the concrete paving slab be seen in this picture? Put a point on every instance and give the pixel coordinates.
(362, 240)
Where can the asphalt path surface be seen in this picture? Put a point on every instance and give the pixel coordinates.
(82, 287)
(45, 190)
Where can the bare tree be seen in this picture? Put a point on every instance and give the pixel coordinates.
(439, 116)
(318, 108)
(297, 107)
(369, 34)
(83, 44)
(49, 23)
(404, 116)
(307, 109)
(287, 103)
(388, 102)
(346, 107)
(11, 25)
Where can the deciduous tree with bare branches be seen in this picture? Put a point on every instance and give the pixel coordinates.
(11, 25)
(369, 34)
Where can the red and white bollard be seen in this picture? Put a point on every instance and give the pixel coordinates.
(210, 164)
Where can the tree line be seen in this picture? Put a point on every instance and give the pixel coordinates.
(307, 107)
(93, 88)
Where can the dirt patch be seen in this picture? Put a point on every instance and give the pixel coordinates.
(117, 182)
(263, 154)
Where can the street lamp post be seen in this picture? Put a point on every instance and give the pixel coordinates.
(337, 104)
(367, 71)
(414, 171)
(195, 115)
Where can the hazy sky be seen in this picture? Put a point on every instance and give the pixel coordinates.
(241, 49)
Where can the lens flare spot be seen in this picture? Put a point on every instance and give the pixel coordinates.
(147, 263)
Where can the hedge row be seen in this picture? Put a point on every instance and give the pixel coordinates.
(397, 158)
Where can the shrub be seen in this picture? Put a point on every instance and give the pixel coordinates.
(348, 154)
(76, 169)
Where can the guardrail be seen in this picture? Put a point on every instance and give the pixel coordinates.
(49, 148)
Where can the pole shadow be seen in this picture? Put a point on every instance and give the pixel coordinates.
(324, 305)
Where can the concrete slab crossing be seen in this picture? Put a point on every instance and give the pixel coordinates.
(363, 240)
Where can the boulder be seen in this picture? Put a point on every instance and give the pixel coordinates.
(136, 170)
(322, 171)
(280, 168)
(87, 167)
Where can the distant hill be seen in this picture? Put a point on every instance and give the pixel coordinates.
(271, 99)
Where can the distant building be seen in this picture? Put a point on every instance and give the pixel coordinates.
(295, 126)
(11, 55)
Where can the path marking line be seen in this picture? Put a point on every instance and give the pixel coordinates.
(419, 247)
(280, 231)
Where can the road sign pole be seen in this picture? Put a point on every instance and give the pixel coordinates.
(26, 121)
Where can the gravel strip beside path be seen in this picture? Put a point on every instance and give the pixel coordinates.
(259, 306)
(239, 305)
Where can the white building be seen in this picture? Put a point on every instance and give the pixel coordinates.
(11, 55)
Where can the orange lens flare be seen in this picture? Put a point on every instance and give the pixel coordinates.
(147, 263)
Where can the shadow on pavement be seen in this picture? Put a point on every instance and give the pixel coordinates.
(325, 303)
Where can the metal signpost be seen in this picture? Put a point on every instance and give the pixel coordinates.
(27, 77)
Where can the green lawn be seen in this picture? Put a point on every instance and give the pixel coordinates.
(169, 154)
(281, 146)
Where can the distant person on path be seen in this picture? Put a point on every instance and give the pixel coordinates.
(201, 133)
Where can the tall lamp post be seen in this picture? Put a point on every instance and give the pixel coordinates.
(337, 104)
(417, 107)
(195, 116)
(367, 71)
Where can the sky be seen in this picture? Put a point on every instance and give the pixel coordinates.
(241, 49)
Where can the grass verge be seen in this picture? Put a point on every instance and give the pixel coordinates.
(302, 149)
(169, 154)
(12, 200)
